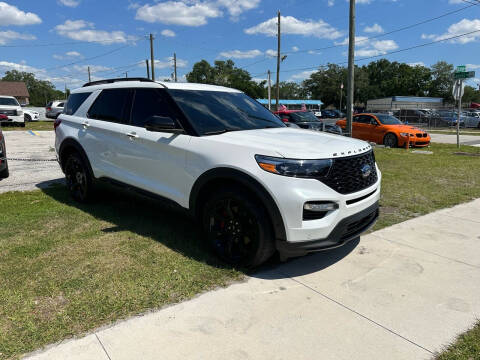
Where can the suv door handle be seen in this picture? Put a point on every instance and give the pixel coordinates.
(85, 124)
(132, 135)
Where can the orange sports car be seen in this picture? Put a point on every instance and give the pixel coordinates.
(386, 129)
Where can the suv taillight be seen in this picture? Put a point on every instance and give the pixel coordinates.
(56, 123)
(49, 109)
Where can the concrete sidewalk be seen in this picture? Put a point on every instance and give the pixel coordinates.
(400, 293)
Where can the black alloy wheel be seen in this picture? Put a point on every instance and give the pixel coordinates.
(78, 179)
(390, 140)
(238, 228)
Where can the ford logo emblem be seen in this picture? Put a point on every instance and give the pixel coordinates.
(366, 170)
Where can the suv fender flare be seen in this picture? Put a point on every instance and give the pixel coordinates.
(70, 143)
(237, 176)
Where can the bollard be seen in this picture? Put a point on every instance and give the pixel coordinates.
(407, 145)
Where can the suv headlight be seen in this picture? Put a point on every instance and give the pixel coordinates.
(294, 167)
(19, 112)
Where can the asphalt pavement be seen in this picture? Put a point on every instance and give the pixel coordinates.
(471, 140)
(31, 160)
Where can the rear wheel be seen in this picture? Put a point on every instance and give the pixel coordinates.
(4, 173)
(390, 140)
(238, 228)
(79, 181)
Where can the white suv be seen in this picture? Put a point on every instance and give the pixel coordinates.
(255, 185)
(10, 107)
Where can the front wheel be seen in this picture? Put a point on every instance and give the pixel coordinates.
(27, 118)
(79, 181)
(238, 228)
(390, 140)
(4, 173)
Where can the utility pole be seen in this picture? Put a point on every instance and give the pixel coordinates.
(460, 85)
(89, 77)
(351, 68)
(277, 96)
(148, 68)
(269, 90)
(151, 56)
(341, 95)
(126, 74)
(175, 67)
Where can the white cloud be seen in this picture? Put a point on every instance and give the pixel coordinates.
(239, 54)
(271, 52)
(295, 48)
(418, 63)
(11, 15)
(69, 3)
(461, 27)
(302, 76)
(178, 13)
(294, 26)
(455, 1)
(68, 54)
(8, 36)
(168, 33)
(167, 63)
(85, 31)
(375, 28)
(6, 66)
(364, 1)
(236, 7)
(472, 66)
(365, 47)
(330, 3)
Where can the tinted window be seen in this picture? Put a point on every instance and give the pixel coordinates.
(361, 119)
(148, 103)
(388, 119)
(8, 101)
(60, 104)
(110, 105)
(74, 102)
(306, 116)
(49, 104)
(213, 111)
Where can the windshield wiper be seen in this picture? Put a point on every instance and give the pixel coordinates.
(218, 132)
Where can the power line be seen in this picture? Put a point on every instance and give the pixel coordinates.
(379, 55)
(70, 43)
(393, 31)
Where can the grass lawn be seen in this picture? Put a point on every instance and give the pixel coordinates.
(32, 125)
(466, 347)
(67, 268)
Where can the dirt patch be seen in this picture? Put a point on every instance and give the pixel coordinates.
(46, 308)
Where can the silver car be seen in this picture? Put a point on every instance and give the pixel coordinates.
(54, 108)
(472, 119)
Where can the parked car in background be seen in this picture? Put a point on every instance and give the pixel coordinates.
(54, 108)
(386, 129)
(30, 115)
(307, 120)
(10, 107)
(411, 116)
(3, 157)
(255, 185)
(471, 119)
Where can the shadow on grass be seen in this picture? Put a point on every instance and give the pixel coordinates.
(173, 227)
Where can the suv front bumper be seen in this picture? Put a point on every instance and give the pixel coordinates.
(347, 229)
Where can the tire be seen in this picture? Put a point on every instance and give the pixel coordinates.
(238, 228)
(27, 118)
(4, 173)
(22, 124)
(78, 178)
(390, 140)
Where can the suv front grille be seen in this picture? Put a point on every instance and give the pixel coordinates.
(346, 175)
(8, 112)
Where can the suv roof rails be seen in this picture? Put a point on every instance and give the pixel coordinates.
(111, 81)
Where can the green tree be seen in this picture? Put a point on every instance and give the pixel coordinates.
(41, 91)
(225, 73)
(442, 80)
(471, 95)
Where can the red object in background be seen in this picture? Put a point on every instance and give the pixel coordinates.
(3, 117)
(474, 105)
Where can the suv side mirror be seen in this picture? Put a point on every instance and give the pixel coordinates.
(162, 124)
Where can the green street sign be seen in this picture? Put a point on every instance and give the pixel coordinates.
(461, 68)
(464, 75)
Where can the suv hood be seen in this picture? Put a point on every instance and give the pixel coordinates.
(294, 143)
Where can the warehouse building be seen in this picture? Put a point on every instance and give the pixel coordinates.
(404, 102)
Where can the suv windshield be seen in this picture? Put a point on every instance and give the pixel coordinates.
(388, 119)
(8, 101)
(304, 116)
(213, 112)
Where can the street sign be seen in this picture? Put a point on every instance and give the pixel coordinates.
(458, 86)
(461, 68)
(464, 75)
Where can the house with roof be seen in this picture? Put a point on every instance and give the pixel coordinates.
(17, 89)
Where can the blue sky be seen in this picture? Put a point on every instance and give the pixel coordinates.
(58, 39)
